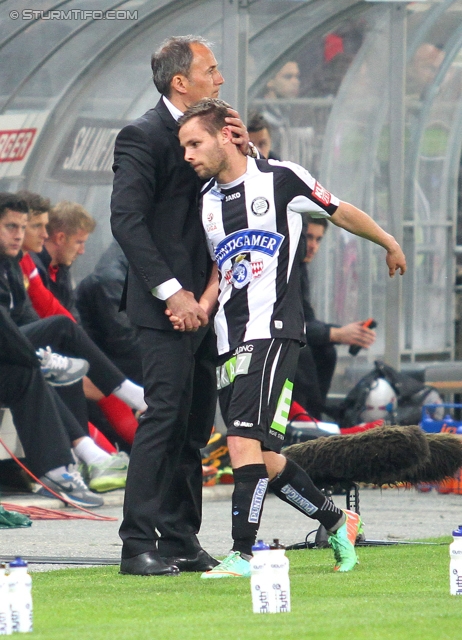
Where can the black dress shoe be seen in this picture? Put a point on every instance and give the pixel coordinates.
(202, 561)
(148, 564)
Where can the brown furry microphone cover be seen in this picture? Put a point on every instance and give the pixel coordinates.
(385, 455)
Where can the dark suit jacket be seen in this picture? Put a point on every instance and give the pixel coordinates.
(155, 216)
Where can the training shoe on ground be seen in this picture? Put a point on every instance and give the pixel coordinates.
(209, 475)
(343, 542)
(108, 475)
(225, 476)
(71, 487)
(61, 371)
(233, 566)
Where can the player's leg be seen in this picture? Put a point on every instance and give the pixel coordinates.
(243, 383)
(289, 481)
(293, 485)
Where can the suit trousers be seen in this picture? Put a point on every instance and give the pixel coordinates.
(316, 366)
(44, 424)
(163, 496)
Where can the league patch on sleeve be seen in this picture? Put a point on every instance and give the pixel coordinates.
(321, 194)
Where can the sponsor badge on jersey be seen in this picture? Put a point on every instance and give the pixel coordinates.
(260, 206)
(241, 273)
(246, 240)
(321, 194)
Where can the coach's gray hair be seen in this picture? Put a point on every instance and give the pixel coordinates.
(173, 56)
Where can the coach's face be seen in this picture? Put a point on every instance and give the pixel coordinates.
(204, 152)
(204, 80)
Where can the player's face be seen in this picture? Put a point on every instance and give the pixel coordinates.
(12, 230)
(204, 80)
(262, 140)
(70, 246)
(286, 83)
(36, 233)
(203, 151)
(314, 235)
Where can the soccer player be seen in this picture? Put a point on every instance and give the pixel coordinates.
(250, 211)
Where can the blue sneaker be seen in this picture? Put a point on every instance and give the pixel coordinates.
(233, 566)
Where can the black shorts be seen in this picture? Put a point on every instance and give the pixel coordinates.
(255, 389)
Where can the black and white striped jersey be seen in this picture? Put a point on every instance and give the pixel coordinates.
(253, 227)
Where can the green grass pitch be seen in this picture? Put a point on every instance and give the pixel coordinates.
(396, 593)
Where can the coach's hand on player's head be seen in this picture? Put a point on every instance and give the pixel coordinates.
(184, 311)
(239, 131)
(396, 260)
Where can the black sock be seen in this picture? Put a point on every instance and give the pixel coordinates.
(250, 485)
(295, 487)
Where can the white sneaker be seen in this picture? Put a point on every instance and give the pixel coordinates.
(71, 487)
(61, 371)
(108, 475)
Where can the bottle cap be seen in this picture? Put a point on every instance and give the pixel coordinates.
(262, 546)
(276, 544)
(458, 532)
(19, 562)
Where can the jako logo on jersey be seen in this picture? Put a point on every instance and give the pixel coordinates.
(321, 194)
(267, 242)
(233, 196)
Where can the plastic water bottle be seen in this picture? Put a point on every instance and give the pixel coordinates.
(455, 564)
(260, 580)
(5, 613)
(280, 583)
(20, 591)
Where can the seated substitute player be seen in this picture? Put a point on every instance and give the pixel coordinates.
(251, 215)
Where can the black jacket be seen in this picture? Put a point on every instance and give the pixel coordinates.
(61, 288)
(317, 332)
(155, 216)
(13, 295)
(97, 299)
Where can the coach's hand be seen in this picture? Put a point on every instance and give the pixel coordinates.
(239, 131)
(184, 311)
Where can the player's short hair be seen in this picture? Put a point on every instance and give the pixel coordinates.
(173, 56)
(37, 204)
(212, 113)
(11, 202)
(71, 218)
(256, 122)
(312, 220)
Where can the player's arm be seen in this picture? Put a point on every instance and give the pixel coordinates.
(209, 298)
(352, 219)
(207, 302)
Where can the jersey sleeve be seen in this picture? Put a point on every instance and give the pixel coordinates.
(308, 195)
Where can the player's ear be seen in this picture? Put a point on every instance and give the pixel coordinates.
(226, 133)
(59, 238)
